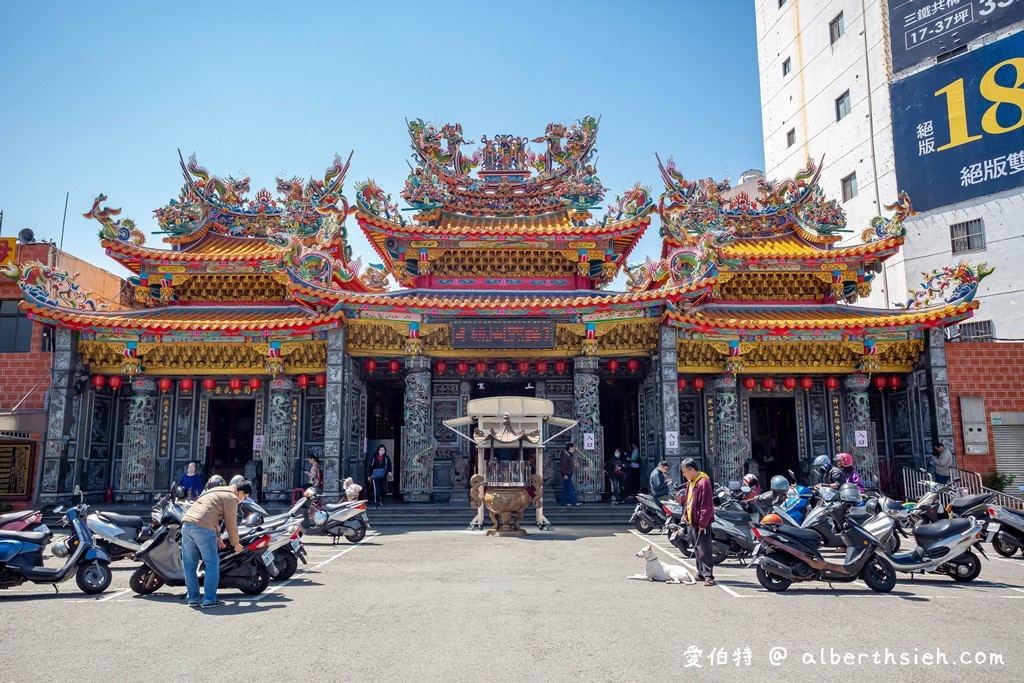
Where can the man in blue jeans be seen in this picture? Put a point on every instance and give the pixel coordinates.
(200, 538)
(567, 469)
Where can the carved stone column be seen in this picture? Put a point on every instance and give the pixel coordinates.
(59, 420)
(589, 477)
(731, 444)
(334, 407)
(857, 427)
(417, 475)
(940, 414)
(138, 457)
(279, 455)
(668, 393)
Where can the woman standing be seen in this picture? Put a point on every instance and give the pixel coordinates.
(313, 475)
(377, 469)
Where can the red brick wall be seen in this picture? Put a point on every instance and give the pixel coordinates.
(994, 371)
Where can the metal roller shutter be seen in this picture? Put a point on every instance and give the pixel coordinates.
(1009, 443)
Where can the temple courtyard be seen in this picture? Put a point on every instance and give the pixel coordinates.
(452, 605)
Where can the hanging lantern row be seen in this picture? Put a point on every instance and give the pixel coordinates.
(394, 365)
(893, 382)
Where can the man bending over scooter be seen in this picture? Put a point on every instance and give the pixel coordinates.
(200, 538)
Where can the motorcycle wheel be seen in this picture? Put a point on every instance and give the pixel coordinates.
(286, 563)
(357, 535)
(879, 575)
(718, 555)
(683, 546)
(642, 525)
(144, 581)
(93, 577)
(968, 563)
(772, 583)
(259, 583)
(894, 543)
(1003, 546)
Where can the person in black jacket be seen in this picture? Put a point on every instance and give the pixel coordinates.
(377, 468)
(661, 486)
(567, 469)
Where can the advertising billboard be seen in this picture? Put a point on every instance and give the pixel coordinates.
(922, 29)
(958, 127)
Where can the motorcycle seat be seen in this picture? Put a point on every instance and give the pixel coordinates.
(331, 507)
(39, 537)
(15, 516)
(892, 505)
(805, 535)
(1015, 512)
(961, 505)
(946, 527)
(733, 517)
(122, 520)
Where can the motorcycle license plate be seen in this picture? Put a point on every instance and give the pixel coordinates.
(268, 557)
(42, 529)
(296, 544)
(993, 529)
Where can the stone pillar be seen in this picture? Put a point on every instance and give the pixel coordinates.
(666, 383)
(279, 457)
(138, 457)
(417, 474)
(59, 419)
(858, 419)
(589, 477)
(732, 446)
(940, 414)
(461, 461)
(334, 407)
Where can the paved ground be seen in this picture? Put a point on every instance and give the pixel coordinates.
(455, 606)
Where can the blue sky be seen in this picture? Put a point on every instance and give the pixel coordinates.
(98, 96)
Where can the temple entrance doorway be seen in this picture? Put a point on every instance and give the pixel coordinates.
(620, 422)
(773, 437)
(230, 428)
(385, 415)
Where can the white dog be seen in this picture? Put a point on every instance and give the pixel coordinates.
(656, 570)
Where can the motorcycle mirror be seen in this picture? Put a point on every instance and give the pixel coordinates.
(78, 489)
(792, 477)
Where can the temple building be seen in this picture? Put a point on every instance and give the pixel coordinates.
(257, 335)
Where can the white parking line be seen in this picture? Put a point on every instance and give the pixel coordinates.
(686, 564)
(111, 597)
(278, 586)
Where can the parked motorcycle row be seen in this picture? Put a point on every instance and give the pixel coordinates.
(783, 532)
(271, 544)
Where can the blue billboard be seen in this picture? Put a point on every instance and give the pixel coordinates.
(958, 127)
(921, 29)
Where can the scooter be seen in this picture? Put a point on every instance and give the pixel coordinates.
(248, 571)
(944, 548)
(285, 539)
(21, 555)
(121, 536)
(1005, 529)
(26, 520)
(345, 519)
(786, 554)
(648, 515)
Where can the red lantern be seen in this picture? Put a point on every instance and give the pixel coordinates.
(681, 383)
(768, 383)
(234, 384)
(789, 383)
(116, 382)
(894, 382)
(502, 367)
(209, 384)
(255, 383)
(542, 367)
(749, 383)
(698, 383)
(832, 383)
(613, 365)
(165, 383)
(880, 382)
(370, 365)
(633, 364)
(524, 367)
(321, 380)
(98, 381)
(462, 367)
(806, 383)
(394, 365)
(186, 384)
(481, 368)
(560, 367)
(302, 381)
(440, 366)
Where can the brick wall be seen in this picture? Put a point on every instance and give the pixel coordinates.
(994, 371)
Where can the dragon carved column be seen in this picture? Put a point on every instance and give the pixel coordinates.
(589, 477)
(334, 410)
(138, 458)
(730, 449)
(279, 457)
(858, 436)
(417, 456)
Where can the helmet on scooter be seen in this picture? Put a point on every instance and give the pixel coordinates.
(872, 507)
(180, 493)
(319, 518)
(215, 481)
(822, 462)
(844, 460)
(849, 493)
(779, 484)
(771, 518)
(750, 480)
(236, 480)
(60, 547)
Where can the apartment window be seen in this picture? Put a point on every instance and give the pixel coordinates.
(842, 105)
(787, 66)
(977, 331)
(836, 28)
(15, 328)
(849, 187)
(791, 137)
(967, 236)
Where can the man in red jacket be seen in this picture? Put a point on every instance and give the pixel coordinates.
(700, 513)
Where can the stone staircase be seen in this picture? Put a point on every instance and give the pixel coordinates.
(459, 515)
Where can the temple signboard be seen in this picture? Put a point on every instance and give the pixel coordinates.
(503, 334)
